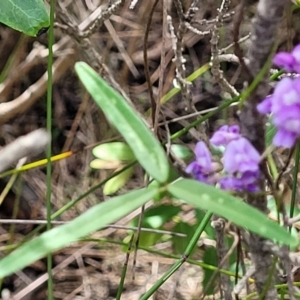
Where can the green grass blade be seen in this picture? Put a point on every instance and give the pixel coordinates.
(295, 181)
(92, 220)
(28, 16)
(144, 145)
(49, 147)
(225, 205)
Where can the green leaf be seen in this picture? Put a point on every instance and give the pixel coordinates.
(104, 164)
(28, 16)
(144, 145)
(95, 218)
(114, 184)
(114, 151)
(225, 205)
(181, 151)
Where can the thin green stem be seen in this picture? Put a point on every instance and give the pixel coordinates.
(49, 150)
(124, 270)
(11, 59)
(276, 75)
(295, 181)
(183, 259)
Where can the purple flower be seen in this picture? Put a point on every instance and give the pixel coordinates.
(225, 134)
(289, 61)
(241, 163)
(284, 105)
(201, 168)
(265, 106)
(285, 60)
(240, 156)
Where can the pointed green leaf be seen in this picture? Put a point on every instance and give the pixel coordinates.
(144, 145)
(104, 164)
(114, 151)
(114, 184)
(225, 205)
(95, 218)
(28, 16)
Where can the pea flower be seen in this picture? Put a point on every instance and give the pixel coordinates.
(289, 61)
(241, 156)
(241, 163)
(202, 167)
(284, 105)
(225, 134)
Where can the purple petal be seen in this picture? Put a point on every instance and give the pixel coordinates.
(284, 138)
(247, 182)
(249, 177)
(296, 53)
(231, 184)
(201, 150)
(293, 125)
(286, 94)
(241, 156)
(265, 106)
(285, 60)
(225, 134)
(297, 84)
(201, 167)
(283, 88)
(192, 168)
(297, 68)
(252, 188)
(234, 129)
(196, 170)
(198, 173)
(288, 118)
(203, 156)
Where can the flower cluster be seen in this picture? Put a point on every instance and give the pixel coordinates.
(284, 104)
(240, 162)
